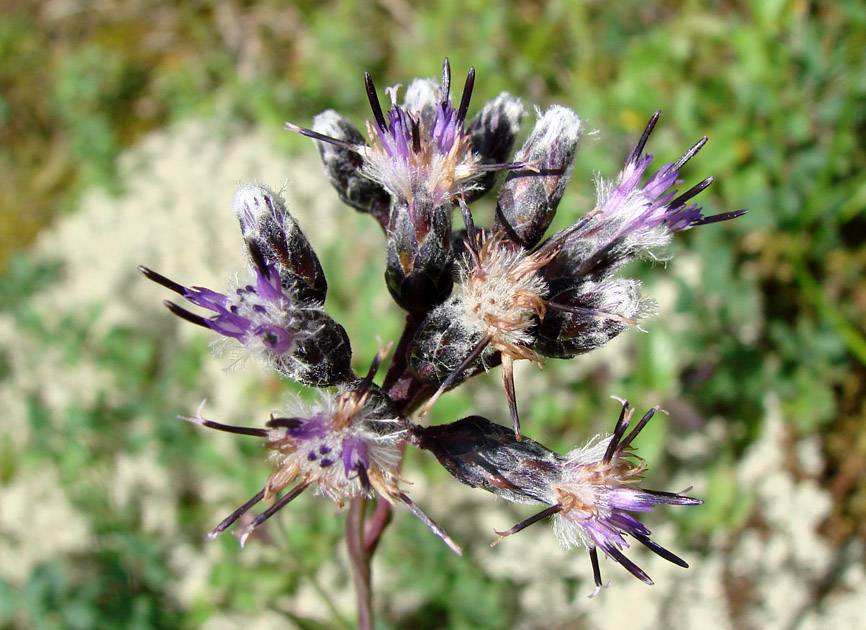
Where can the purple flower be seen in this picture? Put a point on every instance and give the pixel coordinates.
(420, 148)
(590, 492)
(630, 217)
(595, 492)
(259, 314)
(276, 313)
(345, 445)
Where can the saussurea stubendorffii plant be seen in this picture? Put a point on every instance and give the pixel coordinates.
(475, 297)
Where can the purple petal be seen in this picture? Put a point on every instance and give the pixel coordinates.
(309, 428)
(277, 339)
(206, 298)
(628, 523)
(354, 455)
(603, 534)
(268, 287)
(230, 325)
(660, 182)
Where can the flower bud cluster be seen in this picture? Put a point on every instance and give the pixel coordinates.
(421, 155)
(475, 297)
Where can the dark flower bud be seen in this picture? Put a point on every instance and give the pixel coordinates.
(587, 315)
(444, 342)
(482, 454)
(322, 357)
(493, 131)
(343, 167)
(530, 195)
(273, 235)
(420, 261)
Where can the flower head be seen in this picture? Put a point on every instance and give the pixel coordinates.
(425, 148)
(492, 314)
(501, 294)
(588, 305)
(422, 147)
(296, 338)
(631, 217)
(596, 493)
(591, 492)
(345, 445)
(256, 312)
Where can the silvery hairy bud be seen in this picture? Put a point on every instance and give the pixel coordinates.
(267, 225)
(493, 131)
(529, 197)
(589, 314)
(343, 167)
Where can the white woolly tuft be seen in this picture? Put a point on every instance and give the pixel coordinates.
(488, 293)
(327, 122)
(249, 205)
(510, 106)
(383, 453)
(420, 94)
(580, 479)
(557, 126)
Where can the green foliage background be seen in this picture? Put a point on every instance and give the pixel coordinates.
(780, 88)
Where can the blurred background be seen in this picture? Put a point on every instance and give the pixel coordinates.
(124, 128)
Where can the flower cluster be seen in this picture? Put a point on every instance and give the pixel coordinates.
(475, 297)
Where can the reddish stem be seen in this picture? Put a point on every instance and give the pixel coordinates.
(360, 561)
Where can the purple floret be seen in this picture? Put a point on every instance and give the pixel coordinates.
(354, 455)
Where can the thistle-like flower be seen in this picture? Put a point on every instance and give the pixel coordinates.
(344, 446)
(588, 305)
(275, 312)
(424, 146)
(426, 158)
(591, 491)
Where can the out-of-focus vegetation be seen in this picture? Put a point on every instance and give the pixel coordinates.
(779, 87)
